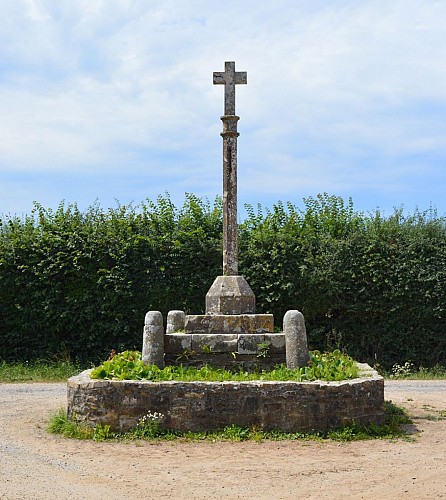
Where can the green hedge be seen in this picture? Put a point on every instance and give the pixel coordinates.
(77, 284)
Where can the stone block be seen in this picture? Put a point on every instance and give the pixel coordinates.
(225, 324)
(275, 342)
(153, 339)
(230, 295)
(249, 344)
(175, 321)
(177, 342)
(214, 343)
(295, 339)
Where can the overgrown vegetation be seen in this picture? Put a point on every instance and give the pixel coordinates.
(59, 371)
(77, 284)
(128, 365)
(150, 427)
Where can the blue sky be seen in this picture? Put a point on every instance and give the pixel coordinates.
(113, 100)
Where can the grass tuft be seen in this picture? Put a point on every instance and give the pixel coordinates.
(60, 424)
(38, 371)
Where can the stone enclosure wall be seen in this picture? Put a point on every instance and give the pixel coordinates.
(201, 406)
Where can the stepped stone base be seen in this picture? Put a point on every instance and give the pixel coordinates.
(242, 343)
(247, 352)
(223, 324)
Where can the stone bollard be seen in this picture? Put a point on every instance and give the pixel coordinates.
(175, 321)
(153, 339)
(295, 340)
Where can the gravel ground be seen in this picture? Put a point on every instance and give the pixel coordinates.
(37, 465)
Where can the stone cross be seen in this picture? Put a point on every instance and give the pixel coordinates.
(230, 78)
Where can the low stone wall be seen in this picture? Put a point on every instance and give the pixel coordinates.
(201, 406)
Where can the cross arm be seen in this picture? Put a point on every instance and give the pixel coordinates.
(230, 78)
(241, 77)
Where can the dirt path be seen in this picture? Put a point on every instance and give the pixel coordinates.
(36, 465)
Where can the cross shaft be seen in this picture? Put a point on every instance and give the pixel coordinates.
(230, 78)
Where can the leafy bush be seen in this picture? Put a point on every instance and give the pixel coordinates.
(77, 284)
(373, 285)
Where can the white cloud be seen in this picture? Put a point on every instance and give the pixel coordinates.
(122, 84)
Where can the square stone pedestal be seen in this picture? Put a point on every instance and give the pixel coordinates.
(230, 295)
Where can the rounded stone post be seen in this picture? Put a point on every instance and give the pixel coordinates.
(296, 345)
(153, 339)
(176, 321)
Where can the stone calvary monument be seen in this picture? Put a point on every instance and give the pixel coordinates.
(232, 335)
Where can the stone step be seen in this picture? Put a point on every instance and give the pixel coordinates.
(267, 343)
(224, 324)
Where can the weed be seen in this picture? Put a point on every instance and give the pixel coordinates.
(435, 418)
(185, 355)
(60, 424)
(402, 371)
(102, 432)
(149, 425)
(206, 349)
(263, 350)
(235, 433)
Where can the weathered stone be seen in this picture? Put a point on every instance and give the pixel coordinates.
(227, 324)
(203, 406)
(153, 339)
(249, 344)
(214, 343)
(275, 342)
(230, 295)
(177, 342)
(231, 360)
(175, 321)
(230, 78)
(295, 339)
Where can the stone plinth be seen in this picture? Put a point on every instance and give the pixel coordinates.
(247, 352)
(229, 324)
(205, 406)
(230, 295)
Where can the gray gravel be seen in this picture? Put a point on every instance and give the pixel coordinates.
(422, 386)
